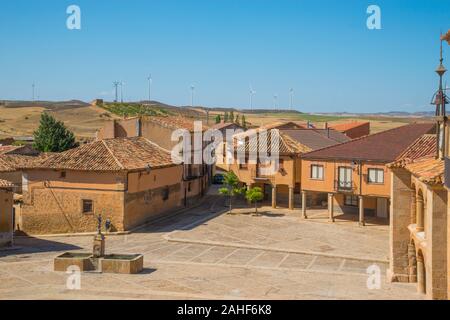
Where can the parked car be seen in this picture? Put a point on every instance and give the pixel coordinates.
(218, 178)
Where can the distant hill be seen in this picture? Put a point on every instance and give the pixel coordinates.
(51, 105)
(401, 114)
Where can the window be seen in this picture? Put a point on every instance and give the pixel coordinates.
(62, 174)
(88, 206)
(351, 201)
(375, 176)
(165, 194)
(345, 178)
(316, 172)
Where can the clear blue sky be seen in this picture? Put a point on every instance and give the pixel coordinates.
(322, 49)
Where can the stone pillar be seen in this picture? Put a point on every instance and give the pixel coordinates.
(274, 196)
(362, 220)
(400, 257)
(331, 207)
(304, 216)
(291, 198)
(99, 246)
(413, 207)
(420, 214)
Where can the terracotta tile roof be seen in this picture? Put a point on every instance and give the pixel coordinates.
(13, 162)
(316, 139)
(174, 122)
(223, 125)
(424, 146)
(384, 146)
(282, 125)
(428, 170)
(5, 184)
(6, 149)
(348, 125)
(287, 145)
(5, 166)
(121, 154)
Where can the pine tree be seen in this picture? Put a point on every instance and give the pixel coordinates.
(244, 124)
(225, 117)
(237, 119)
(218, 118)
(231, 118)
(53, 136)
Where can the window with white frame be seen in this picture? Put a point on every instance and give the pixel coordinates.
(375, 176)
(317, 172)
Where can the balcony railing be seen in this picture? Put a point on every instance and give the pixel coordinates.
(258, 173)
(343, 186)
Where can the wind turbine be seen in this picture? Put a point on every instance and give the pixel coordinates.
(252, 93)
(116, 86)
(275, 101)
(150, 81)
(192, 95)
(33, 88)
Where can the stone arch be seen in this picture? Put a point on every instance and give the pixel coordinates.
(412, 262)
(421, 273)
(420, 211)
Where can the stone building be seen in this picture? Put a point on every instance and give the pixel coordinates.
(14, 157)
(6, 213)
(127, 180)
(283, 186)
(353, 175)
(420, 224)
(353, 130)
(196, 176)
(418, 239)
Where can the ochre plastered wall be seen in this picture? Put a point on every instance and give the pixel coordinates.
(6, 227)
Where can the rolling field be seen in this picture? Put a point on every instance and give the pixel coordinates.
(84, 120)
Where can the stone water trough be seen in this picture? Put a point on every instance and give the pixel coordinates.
(98, 261)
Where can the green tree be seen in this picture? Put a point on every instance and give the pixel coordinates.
(231, 118)
(231, 189)
(253, 195)
(237, 119)
(218, 118)
(244, 124)
(53, 136)
(225, 117)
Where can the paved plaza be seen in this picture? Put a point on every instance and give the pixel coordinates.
(205, 253)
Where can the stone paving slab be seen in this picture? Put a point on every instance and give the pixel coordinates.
(288, 235)
(203, 271)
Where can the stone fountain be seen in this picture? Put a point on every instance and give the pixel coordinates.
(98, 260)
